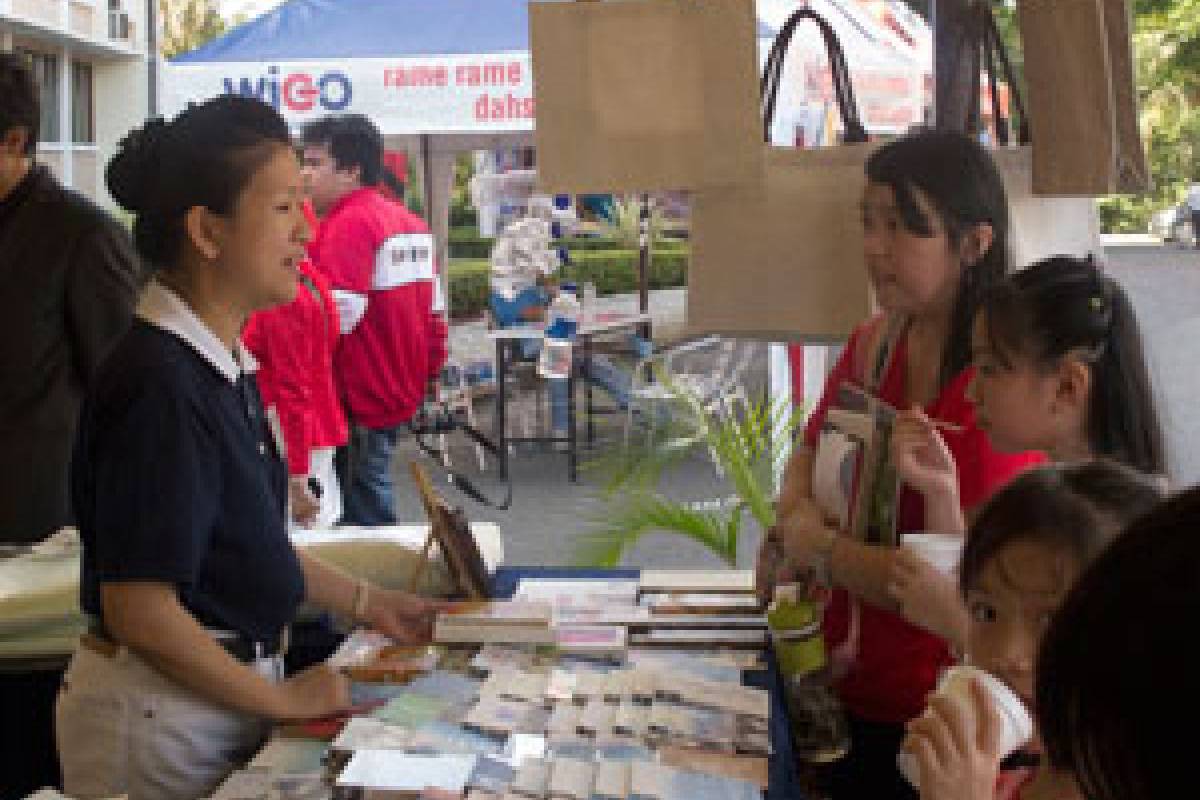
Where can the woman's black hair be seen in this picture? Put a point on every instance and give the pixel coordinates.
(1077, 507)
(957, 176)
(1116, 684)
(1066, 305)
(204, 157)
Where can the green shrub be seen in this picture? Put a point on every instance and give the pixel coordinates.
(470, 247)
(469, 288)
(468, 244)
(612, 271)
(615, 271)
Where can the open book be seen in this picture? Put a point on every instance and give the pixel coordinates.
(854, 480)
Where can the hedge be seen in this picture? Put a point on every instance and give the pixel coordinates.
(613, 272)
(467, 244)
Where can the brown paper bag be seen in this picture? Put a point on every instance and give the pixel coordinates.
(643, 95)
(1083, 112)
(782, 259)
(1040, 226)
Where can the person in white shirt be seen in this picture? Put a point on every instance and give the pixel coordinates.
(1193, 204)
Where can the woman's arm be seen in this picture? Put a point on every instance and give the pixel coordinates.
(863, 570)
(795, 504)
(402, 616)
(147, 618)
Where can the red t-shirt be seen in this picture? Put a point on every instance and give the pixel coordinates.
(294, 346)
(375, 247)
(898, 663)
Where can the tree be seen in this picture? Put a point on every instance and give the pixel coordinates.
(1166, 47)
(187, 24)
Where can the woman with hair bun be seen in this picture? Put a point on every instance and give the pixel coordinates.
(188, 576)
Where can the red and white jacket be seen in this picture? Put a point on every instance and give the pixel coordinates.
(294, 346)
(379, 259)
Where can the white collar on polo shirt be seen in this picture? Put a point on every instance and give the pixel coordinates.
(166, 310)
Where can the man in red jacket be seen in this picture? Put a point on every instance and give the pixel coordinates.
(379, 259)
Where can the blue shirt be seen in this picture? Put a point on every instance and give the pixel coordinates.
(176, 479)
(507, 313)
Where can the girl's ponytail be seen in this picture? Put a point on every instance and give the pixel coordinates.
(1122, 421)
(1066, 305)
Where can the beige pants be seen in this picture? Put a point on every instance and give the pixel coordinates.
(123, 728)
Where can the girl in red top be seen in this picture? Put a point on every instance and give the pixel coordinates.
(936, 225)
(1059, 368)
(294, 346)
(1023, 554)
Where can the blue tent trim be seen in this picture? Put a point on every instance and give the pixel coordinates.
(323, 29)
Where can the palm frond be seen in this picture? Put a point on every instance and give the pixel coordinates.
(639, 514)
(746, 444)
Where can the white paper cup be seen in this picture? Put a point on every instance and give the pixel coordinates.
(943, 551)
(1016, 724)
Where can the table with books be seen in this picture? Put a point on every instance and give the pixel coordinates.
(576, 685)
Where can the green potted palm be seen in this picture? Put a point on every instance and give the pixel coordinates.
(746, 446)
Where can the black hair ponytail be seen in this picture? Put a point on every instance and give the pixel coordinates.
(1064, 305)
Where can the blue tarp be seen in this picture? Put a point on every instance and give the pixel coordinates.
(324, 29)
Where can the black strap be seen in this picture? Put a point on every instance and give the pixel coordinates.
(854, 130)
(993, 49)
(460, 481)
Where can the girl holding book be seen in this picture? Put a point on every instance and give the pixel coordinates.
(1059, 368)
(936, 224)
(1023, 554)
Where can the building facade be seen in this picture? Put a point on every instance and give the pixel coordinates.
(94, 64)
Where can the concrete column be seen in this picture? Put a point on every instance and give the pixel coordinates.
(64, 116)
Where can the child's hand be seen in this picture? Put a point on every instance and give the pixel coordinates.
(922, 458)
(927, 597)
(956, 744)
(924, 462)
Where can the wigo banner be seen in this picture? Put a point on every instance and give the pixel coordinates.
(464, 94)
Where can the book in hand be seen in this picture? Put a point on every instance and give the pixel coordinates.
(854, 480)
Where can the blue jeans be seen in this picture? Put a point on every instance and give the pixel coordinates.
(601, 372)
(370, 495)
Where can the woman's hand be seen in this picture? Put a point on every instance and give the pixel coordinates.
(802, 535)
(926, 597)
(956, 743)
(314, 693)
(305, 506)
(772, 569)
(404, 617)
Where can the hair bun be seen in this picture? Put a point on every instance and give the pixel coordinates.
(135, 170)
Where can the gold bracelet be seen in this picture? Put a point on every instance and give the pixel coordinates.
(362, 594)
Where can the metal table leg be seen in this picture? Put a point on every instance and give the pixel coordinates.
(587, 365)
(501, 398)
(572, 437)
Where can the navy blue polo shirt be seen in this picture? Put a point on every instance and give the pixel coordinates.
(176, 479)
